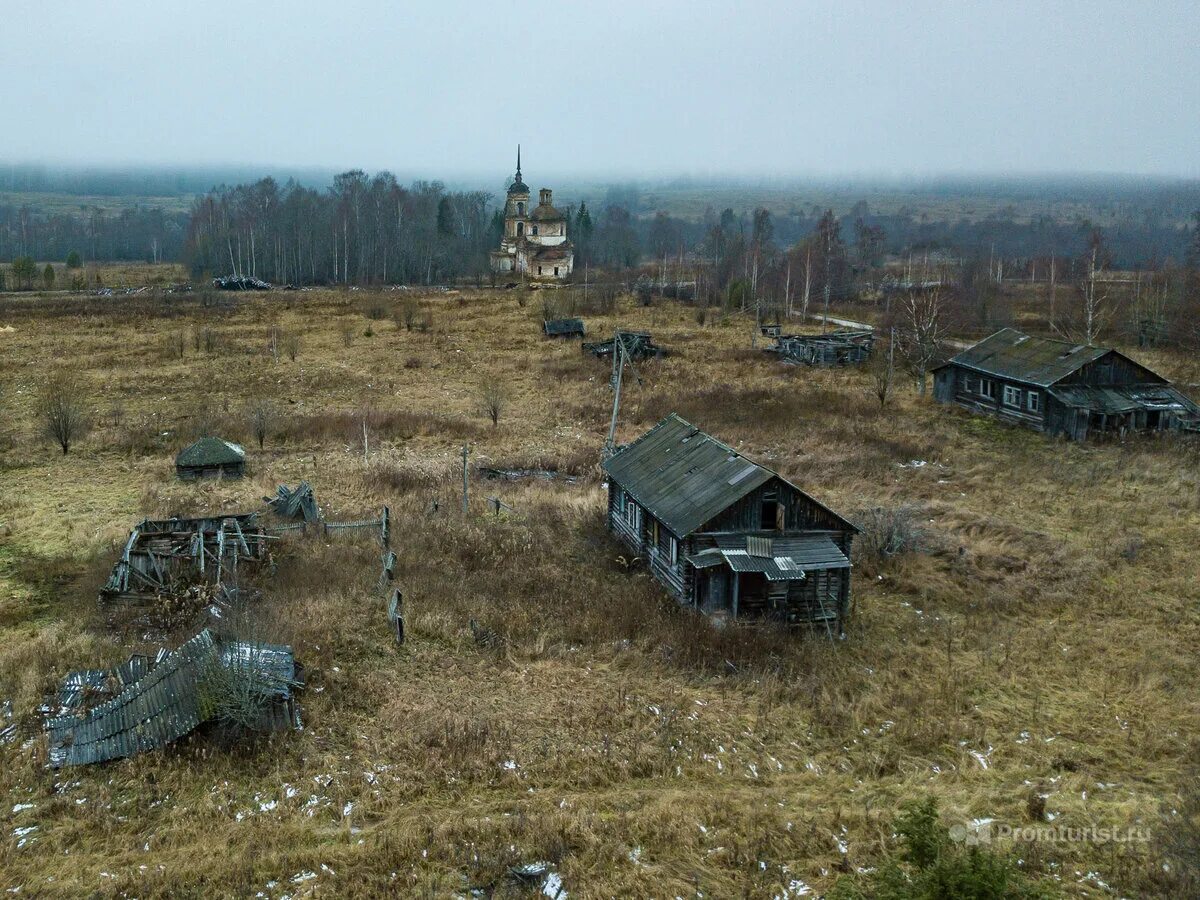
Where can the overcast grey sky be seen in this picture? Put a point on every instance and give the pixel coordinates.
(447, 88)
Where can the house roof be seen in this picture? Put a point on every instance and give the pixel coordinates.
(211, 451)
(1040, 361)
(685, 477)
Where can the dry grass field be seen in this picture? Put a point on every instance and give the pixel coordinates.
(1040, 647)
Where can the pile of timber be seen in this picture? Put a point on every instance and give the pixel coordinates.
(636, 344)
(838, 348)
(298, 505)
(645, 288)
(240, 283)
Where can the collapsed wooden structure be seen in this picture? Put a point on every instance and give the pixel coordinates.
(726, 535)
(165, 556)
(635, 344)
(1076, 390)
(837, 348)
(145, 705)
(645, 288)
(568, 328)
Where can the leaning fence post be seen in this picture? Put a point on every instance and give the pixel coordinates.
(385, 529)
(396, 614)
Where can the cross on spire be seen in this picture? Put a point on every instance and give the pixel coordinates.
(518, 162)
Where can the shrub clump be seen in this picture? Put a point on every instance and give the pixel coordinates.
(889, 532)
(929, 865)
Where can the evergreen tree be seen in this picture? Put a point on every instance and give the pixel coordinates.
(48, 277)
(581, 233)
(445, 218)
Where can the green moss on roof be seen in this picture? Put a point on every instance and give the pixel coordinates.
(211, 451)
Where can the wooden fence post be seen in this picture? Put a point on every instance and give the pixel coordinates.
(466, 503)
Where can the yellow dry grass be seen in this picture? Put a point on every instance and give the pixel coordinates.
(1044, 644)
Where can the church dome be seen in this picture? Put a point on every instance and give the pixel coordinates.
(518, 186)
(546, 213)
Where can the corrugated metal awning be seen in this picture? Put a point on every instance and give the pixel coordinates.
(791, 557)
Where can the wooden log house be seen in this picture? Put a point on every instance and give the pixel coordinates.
(726, 535)
(1076, 390)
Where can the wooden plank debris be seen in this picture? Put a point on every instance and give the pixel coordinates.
(837, 348)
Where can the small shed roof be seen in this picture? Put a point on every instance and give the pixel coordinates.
(685, 477)
(785, 559)
(211, 451)
(1033, 360)
(563, 326)
(1124, 398)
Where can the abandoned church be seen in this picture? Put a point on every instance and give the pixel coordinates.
(726, 535)
(1076, 390)
(535, 240)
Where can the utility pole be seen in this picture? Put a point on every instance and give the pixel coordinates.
(466, 450)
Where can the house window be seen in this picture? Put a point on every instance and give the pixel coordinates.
(1034, 401)
(673, 553)
(987, 387)
(663, 540)
(1012, 395)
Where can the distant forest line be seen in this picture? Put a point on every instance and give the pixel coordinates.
(359, 228)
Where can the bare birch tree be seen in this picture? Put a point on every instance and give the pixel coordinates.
(921, 331)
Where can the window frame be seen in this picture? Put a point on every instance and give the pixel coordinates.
(1015, 393)
(1033, 402)
(987, 388)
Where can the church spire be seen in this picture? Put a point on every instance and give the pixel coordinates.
(518, 186)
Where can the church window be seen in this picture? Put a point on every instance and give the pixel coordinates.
(539, 270)
(556, 270)
(535, 229)
(520, 209)
(520, 228)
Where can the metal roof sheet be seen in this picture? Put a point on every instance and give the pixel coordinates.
(171, 699)
(1033, 360)
(789, 560)
(685, 477)
(808, 551)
